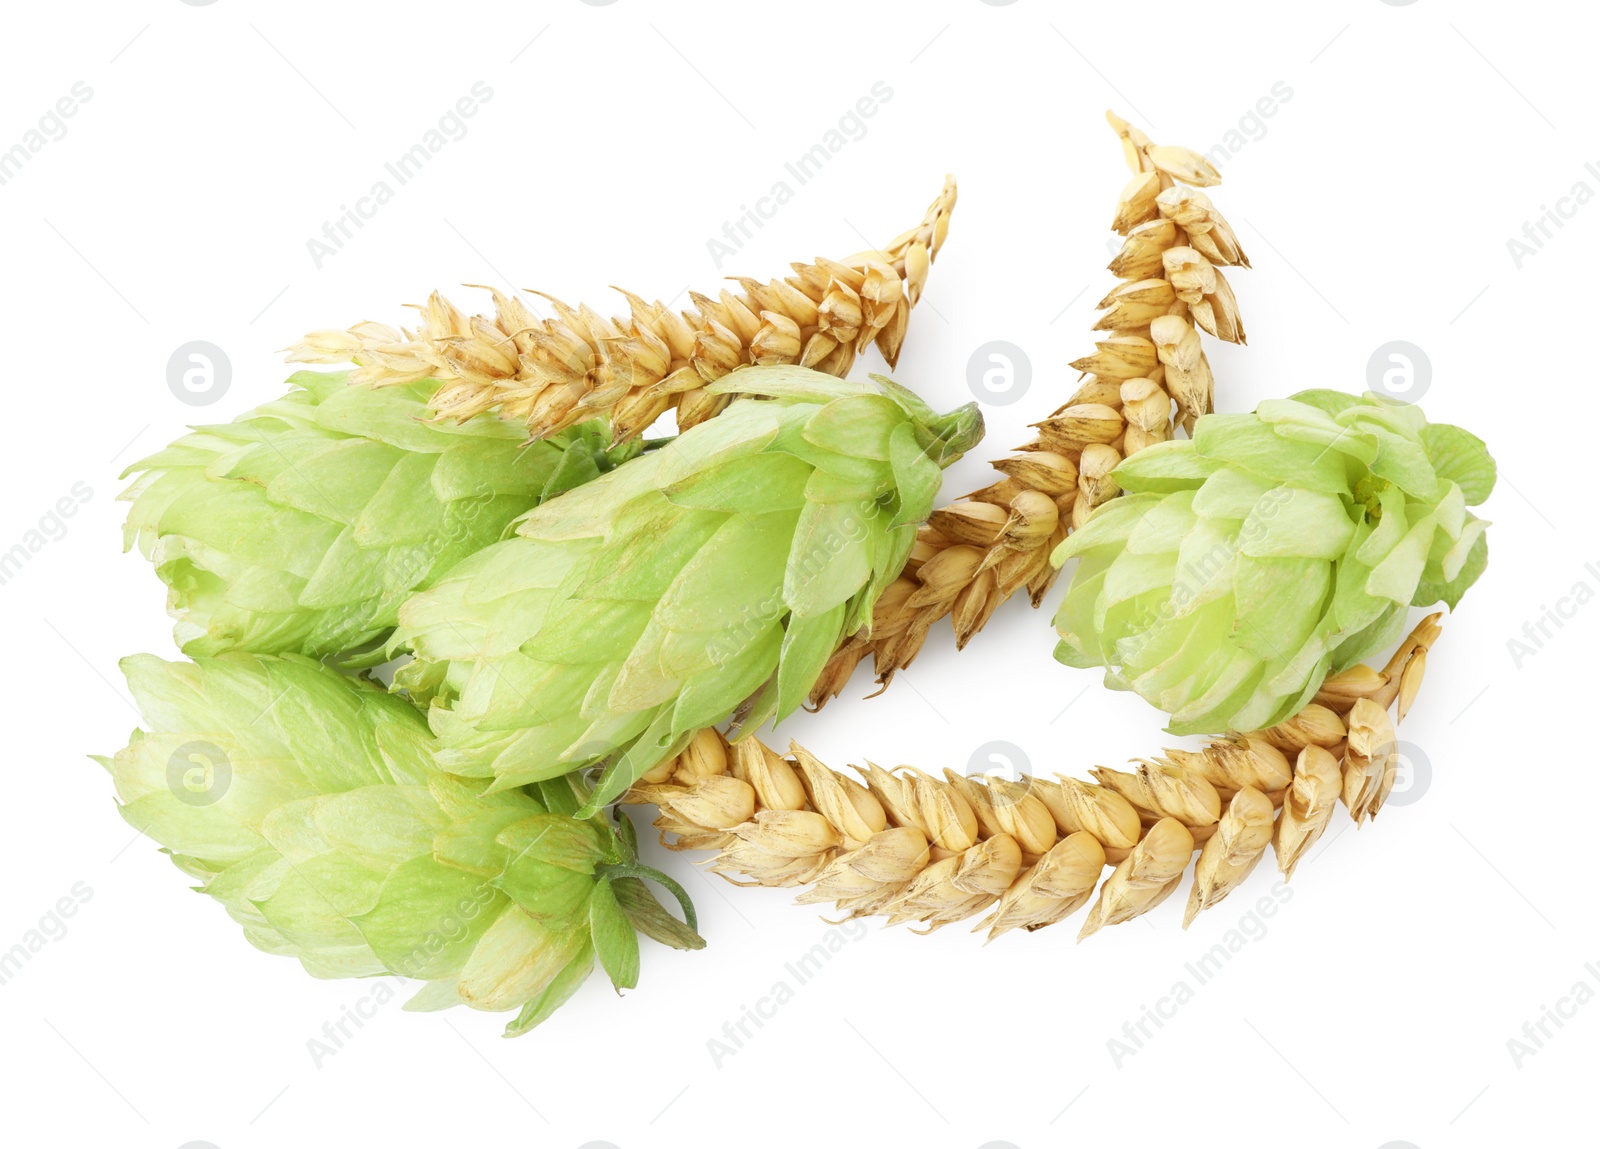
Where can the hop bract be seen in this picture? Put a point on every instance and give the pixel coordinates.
(302, 526)
(1246, 564)
(306, 803)
(722, 569)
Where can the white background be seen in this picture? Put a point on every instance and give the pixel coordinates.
(1376, 206)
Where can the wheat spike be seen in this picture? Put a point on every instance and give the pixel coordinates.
(579, 365)
(1027, 853)
(1148, 374)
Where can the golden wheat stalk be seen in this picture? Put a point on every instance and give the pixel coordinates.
(555, 372)
(1029, 852)
(1148, 374)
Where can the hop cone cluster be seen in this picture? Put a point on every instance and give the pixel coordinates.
(1246, 564)
(307, 804)
(716, 573)
(301, 526)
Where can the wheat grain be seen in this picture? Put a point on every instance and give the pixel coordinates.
(1030, 852)
(552, 373)
(1148, 373)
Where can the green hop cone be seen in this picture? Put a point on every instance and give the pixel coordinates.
(720, 571)
(302, 526)
(1246, 564)
(307, 804)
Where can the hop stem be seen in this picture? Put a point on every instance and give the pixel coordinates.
(1027, 853)
(1148, 375)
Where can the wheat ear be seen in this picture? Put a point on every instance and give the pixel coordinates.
(1147, 374)
(555, 372)
(1029, 852)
